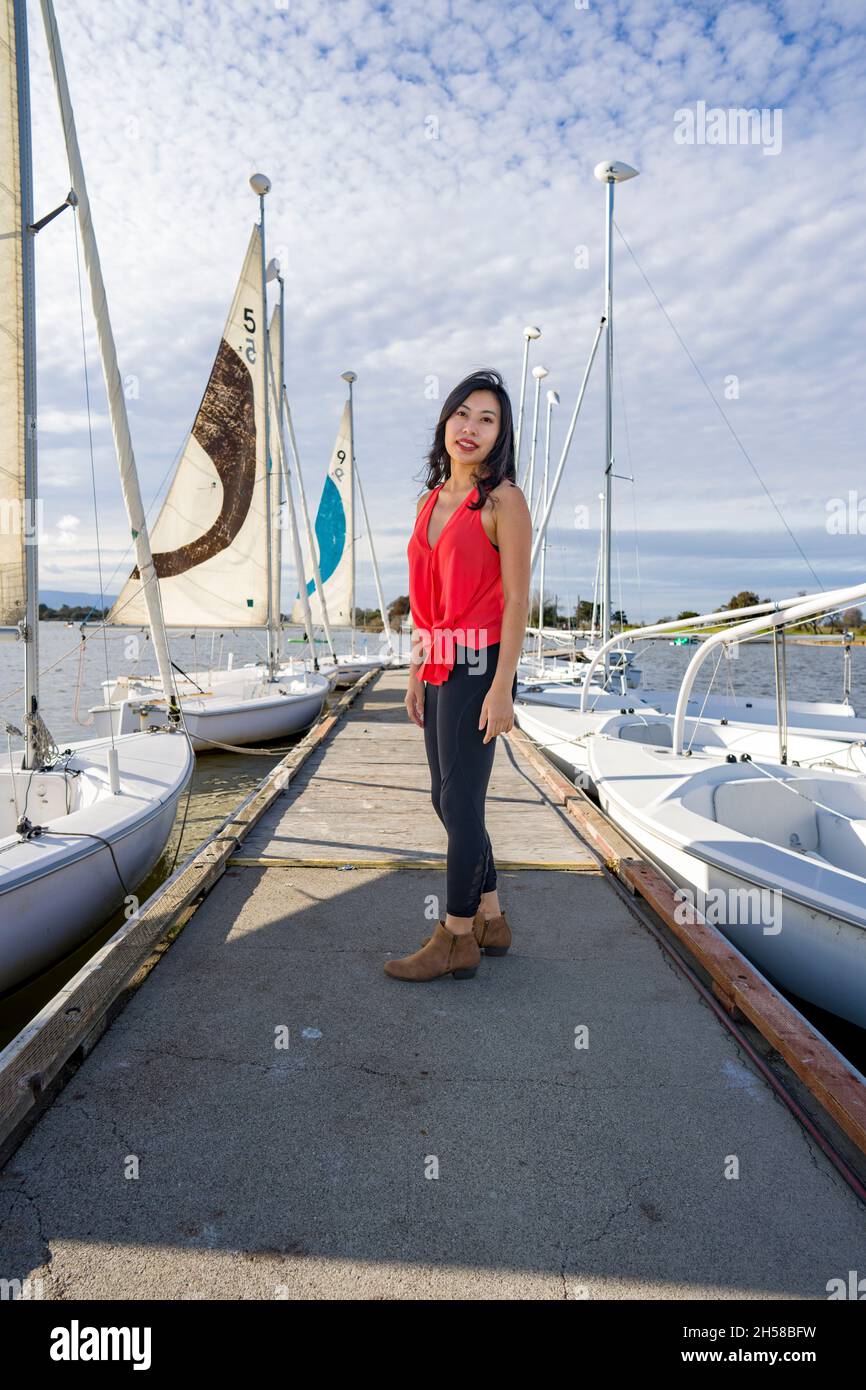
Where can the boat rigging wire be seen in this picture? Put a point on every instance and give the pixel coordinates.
(716, 403)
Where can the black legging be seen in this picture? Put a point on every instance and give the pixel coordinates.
(460, 766)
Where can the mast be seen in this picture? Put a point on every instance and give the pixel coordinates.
(29, 518)
(275, 472)
(284, 467)
(114, 386)
(349, 377)
(552, 400)
(309, 530)
(261, 185)
(314, 559)
(609, 172)
(278, 535)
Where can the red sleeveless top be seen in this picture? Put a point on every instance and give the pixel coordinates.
(455, 587)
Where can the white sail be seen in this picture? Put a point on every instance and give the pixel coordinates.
(209, 540)
(335, 530)
(12, 509)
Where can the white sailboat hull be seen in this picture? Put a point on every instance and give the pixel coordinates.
(564, 735)
(798, 915)
(58, 887)
(239, 707)
(349, 669)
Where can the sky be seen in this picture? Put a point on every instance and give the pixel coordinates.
(432, 193)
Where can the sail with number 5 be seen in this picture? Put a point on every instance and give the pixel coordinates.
(210, 540)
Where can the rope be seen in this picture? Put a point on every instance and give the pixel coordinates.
(92, 463)
(242, 748)
(76, 695)
(786, 782)
(620, 379)
(849, 766)
(31, 832)
(44, 746)
(706, 697)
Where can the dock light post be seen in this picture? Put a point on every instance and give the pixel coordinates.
(349, 378)
(552, 401)
(528, 335)
(610, 172)
(539, 373)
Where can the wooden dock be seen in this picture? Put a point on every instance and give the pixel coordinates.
(271, 1116)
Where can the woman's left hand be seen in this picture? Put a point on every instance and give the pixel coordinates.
(497, 713)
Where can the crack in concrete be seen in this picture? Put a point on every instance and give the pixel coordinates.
(46, 1254)
(593, 1240)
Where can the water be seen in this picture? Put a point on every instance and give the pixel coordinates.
(221, 780)
(814, 672)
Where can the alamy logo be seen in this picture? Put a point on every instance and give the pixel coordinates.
(852, 1288)
(25, 518)
(846, 516)
(738, 125)
(20, 1288)
(440, 644)
(76, 1343)
(730, 907)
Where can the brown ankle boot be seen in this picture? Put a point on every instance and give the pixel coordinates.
(493, 934)
(445, 953)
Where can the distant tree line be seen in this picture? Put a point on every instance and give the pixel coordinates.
(370, 619)
(75, 613)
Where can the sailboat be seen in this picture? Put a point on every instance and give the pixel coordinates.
(774, 848)
(826, 734)
(331, 592)
(81, 828)
(217, 543)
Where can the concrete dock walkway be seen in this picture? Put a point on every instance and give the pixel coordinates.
(272, 1116)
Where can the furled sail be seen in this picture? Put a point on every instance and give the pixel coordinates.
(335, 530)
(13, 521)
(210, 539)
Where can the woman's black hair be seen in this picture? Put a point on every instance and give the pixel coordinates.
(499, 464)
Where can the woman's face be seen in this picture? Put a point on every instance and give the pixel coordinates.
(473, 429)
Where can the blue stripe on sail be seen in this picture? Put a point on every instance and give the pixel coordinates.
(330, 533)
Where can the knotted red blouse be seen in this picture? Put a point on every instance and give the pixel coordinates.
(455, 587)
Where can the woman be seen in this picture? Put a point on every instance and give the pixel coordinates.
(469, 595)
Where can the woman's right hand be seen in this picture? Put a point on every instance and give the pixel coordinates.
(414, 701)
